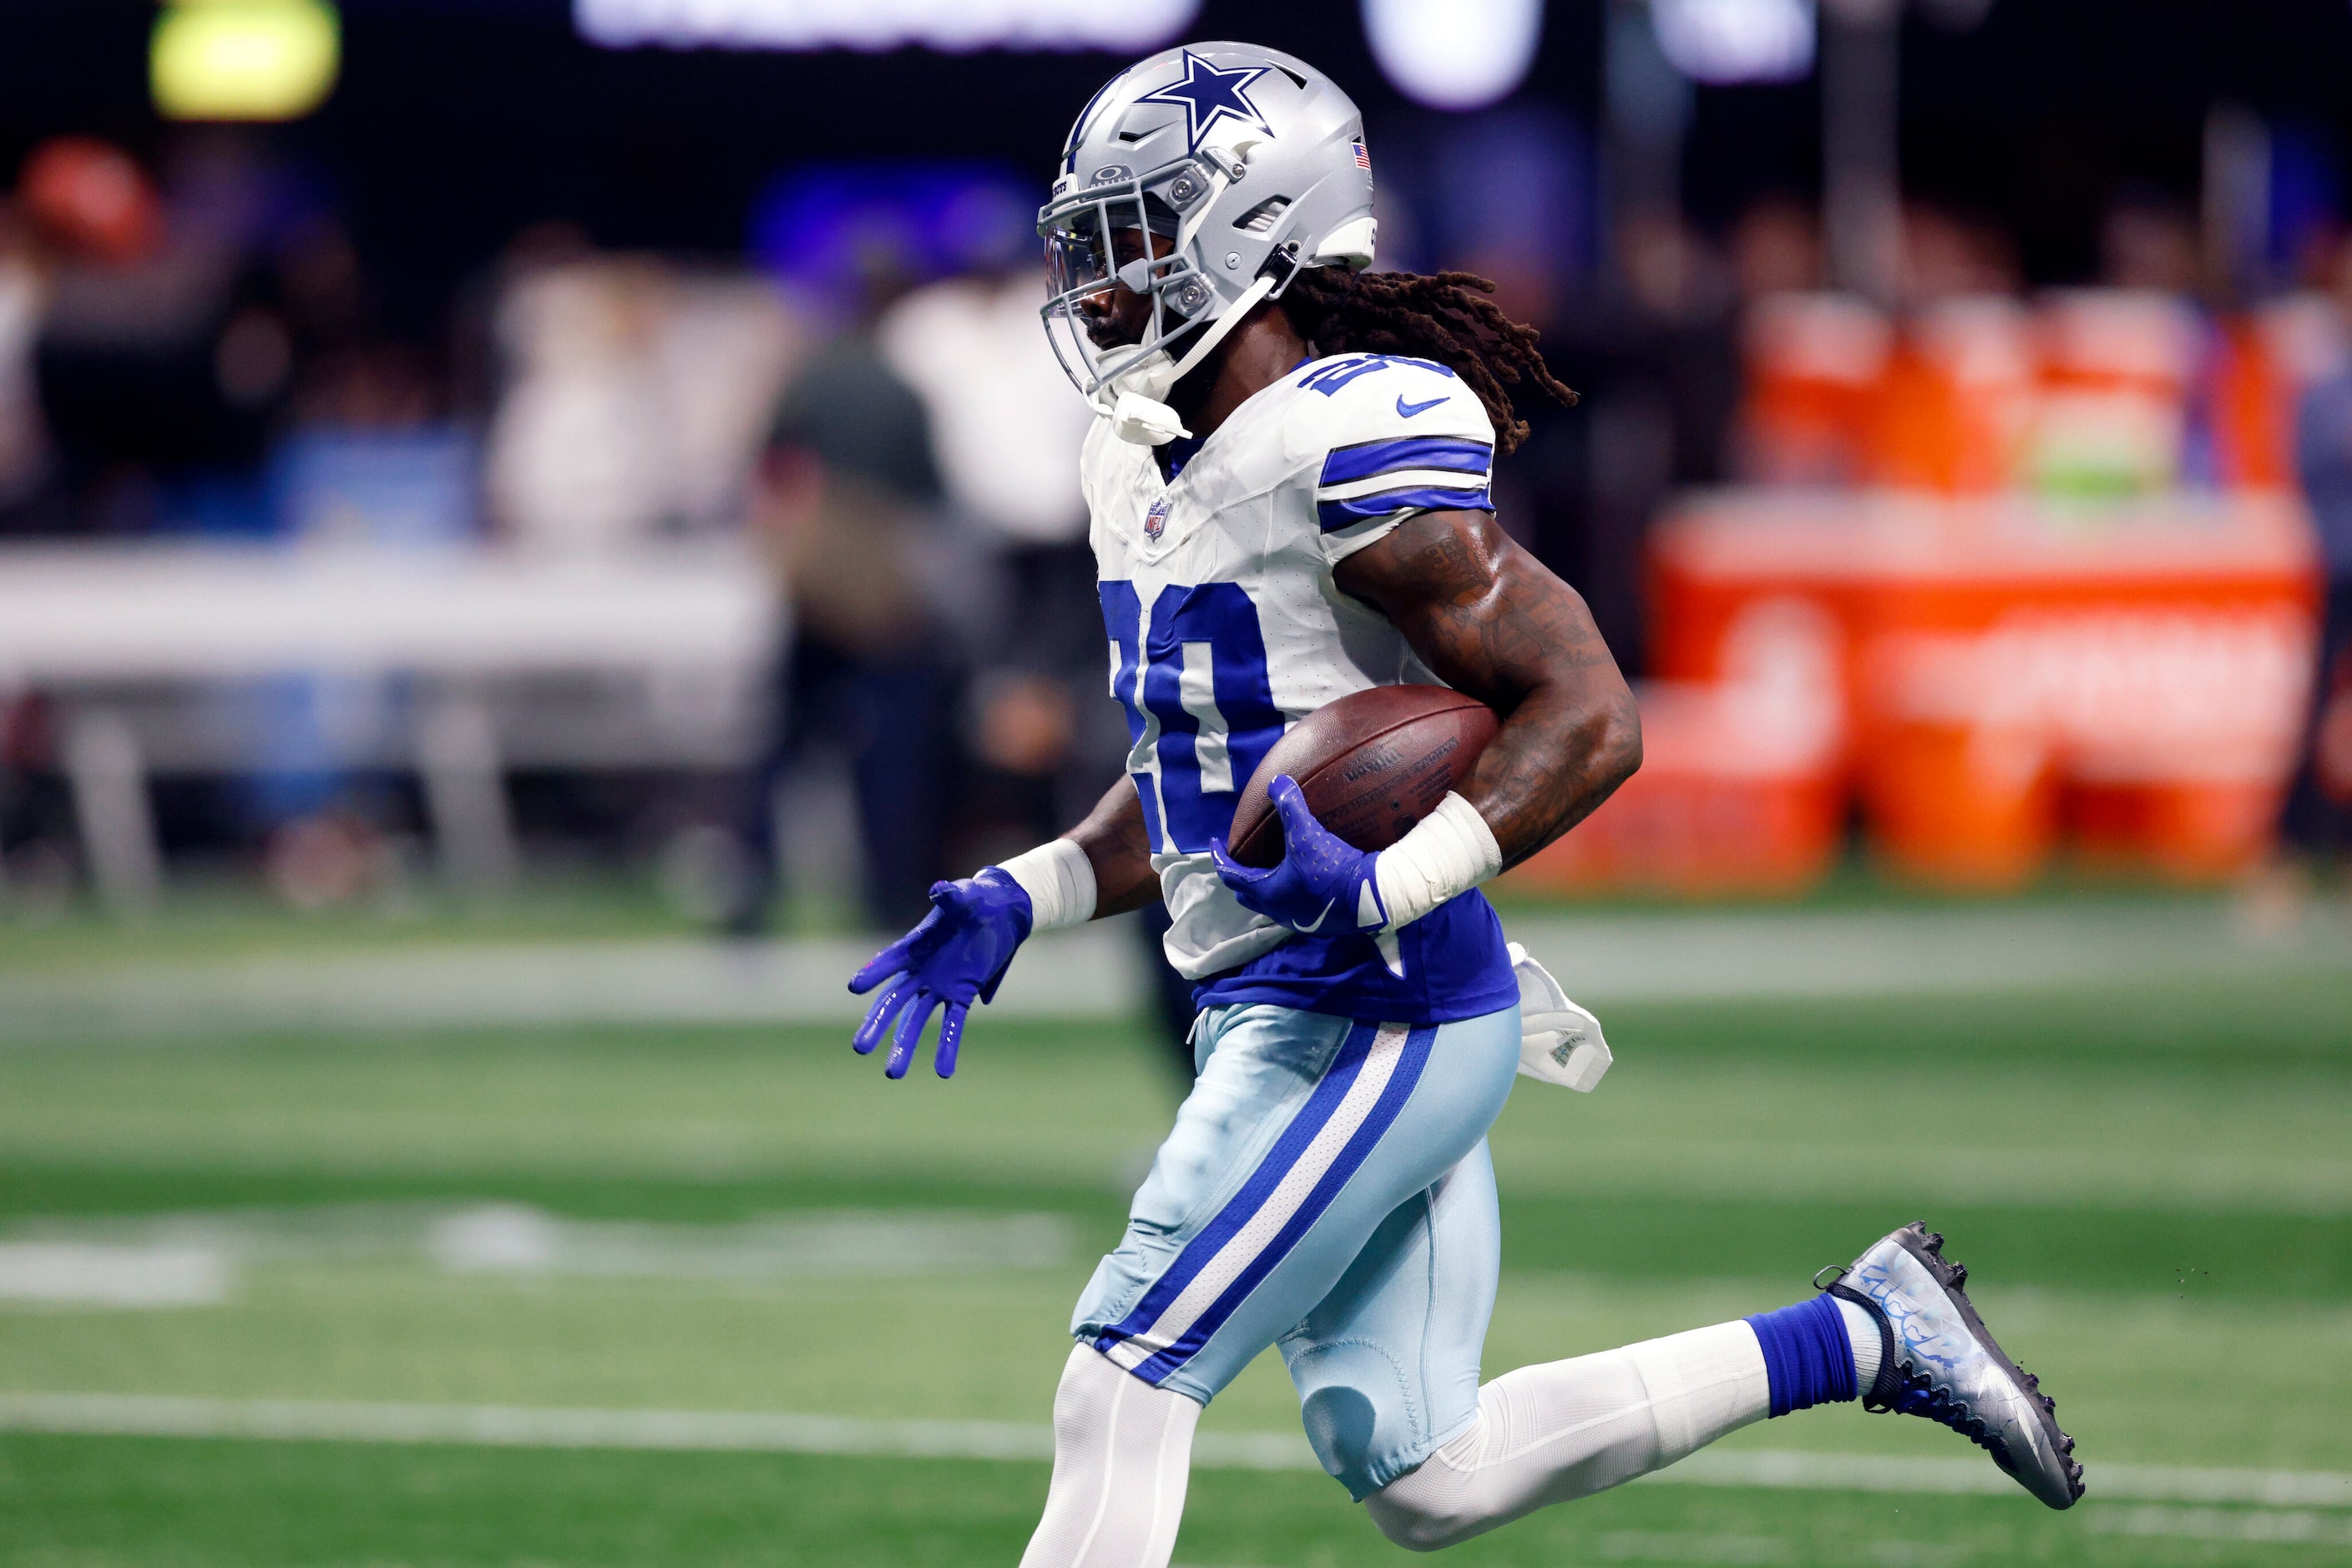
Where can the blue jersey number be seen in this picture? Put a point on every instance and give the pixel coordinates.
(1339, 372)
(1200, 705)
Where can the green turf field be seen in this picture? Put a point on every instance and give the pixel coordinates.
(2153, 1191)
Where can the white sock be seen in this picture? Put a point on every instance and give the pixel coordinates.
(1863, 1330)
(1122, 1455)
(1569, 1428)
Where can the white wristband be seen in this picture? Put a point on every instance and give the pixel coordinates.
(1448, 852)
(1059, 880)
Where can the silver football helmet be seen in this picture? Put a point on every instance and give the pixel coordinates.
(1202, 179)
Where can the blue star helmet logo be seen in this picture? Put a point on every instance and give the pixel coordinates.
(1210, 95)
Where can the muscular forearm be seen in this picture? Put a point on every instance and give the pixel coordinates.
(1117, 847)
(1559, 754)
(1490, 620)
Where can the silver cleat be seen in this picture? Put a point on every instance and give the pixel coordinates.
(1937, 1361)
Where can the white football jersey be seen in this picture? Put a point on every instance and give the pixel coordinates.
(1225, 627)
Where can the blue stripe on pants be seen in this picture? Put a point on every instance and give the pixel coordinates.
(1393, 1095)
(1378, 1296)
(1337, 1081)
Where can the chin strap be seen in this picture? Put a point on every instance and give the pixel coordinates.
(1147, 421)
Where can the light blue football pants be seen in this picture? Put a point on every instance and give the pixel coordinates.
(1326, 1188)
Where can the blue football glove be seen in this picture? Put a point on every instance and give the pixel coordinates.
(958, 954)
(1324, 885)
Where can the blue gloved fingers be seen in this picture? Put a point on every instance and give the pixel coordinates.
(901, 955)
(1298, 820)
(890, 961)
(951, 1036)
(910, 1033)
(879, 1016)
(1232, 872)
(959, 953)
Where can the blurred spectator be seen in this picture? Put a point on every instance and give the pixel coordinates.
(634, 398)
(1651, 350)
(25, 465)
(1946, 255)
(885, 601)
(1668, 269)
(1776, 248)
(163, 357)
(2319, 809)
(93, 199)
(2148, 241)
(1007, 425)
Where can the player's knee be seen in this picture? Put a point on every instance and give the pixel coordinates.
(1421, 1518)
(1358, 1407)
(1444, 1500)
(1343, 1428)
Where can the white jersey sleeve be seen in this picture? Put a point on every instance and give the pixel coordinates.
(1395, 437)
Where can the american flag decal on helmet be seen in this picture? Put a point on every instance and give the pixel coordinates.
(1363, 159)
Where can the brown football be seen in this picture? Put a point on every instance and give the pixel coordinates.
(1370, 764)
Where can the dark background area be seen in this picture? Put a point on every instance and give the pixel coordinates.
(455, 125)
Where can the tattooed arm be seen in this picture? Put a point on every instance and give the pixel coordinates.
(1493, 621)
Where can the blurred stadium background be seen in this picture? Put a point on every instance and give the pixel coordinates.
(530, 532)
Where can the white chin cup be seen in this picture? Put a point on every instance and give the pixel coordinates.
(1134, 401)
(1152, 376)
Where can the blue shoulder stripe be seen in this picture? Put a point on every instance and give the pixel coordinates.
(1365, 459)
(1334, 514)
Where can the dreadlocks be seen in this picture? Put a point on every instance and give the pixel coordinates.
(1444, 316)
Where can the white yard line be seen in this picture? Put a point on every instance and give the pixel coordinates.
(497, 1426)
(1087, 974)
(1097, 970)
(2281, 1527)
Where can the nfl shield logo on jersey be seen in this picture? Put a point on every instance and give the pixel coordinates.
(1155, 521)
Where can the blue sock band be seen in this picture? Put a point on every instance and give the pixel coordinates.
(1807, 1356)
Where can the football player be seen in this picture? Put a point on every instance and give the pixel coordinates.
(1289, 486)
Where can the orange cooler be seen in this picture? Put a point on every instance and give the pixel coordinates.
(2133, 674)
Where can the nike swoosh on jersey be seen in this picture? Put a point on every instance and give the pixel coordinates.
(1407, 410)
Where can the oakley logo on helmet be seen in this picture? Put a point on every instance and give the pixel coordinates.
(1111, 173)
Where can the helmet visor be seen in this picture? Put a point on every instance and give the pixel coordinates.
(1090, 240)
(1078, 254)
